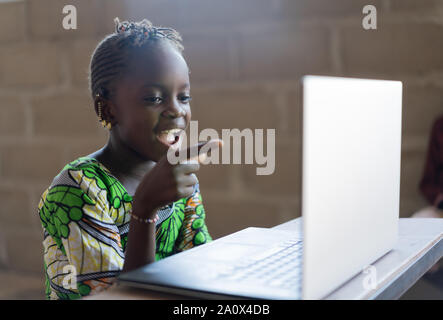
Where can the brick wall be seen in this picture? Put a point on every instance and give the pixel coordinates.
(246, 58)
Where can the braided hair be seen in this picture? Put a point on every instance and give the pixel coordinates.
(110, 57)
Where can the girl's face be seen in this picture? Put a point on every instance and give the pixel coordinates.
(151, 106)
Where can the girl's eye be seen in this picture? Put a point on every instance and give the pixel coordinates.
(154, 100)
(185, 99)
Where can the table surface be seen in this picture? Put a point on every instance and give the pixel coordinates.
(419, 247)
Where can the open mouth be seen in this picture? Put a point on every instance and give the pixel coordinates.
(170, 137)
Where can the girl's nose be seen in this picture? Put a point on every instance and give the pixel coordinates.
(173, 111)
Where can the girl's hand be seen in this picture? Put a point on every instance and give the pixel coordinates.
(166, 183)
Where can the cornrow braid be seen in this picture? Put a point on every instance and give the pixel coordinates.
(110, 58)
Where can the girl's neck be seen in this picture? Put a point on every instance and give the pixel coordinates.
(122, 161)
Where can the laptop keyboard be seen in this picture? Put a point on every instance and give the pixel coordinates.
(279, 266)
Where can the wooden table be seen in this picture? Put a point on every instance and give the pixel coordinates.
(419, 247)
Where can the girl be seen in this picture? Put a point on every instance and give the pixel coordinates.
(125, 205)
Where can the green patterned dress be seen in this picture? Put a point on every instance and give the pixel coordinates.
(85, 217)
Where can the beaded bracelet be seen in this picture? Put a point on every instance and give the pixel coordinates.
(145, 220)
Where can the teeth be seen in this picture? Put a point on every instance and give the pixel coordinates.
(170, 134)
(173, 131)
(171, 137)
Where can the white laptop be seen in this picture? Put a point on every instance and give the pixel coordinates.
(350, 206)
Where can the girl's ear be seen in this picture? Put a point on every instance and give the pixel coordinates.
(104, 110)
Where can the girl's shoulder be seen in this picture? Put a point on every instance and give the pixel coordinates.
(88, 164)
(76, 171)
(85, 187)
(86, 175)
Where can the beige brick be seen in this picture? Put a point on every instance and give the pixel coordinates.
(31, 162)
(36, 195)
(80, 53)
(286, 179)
(234, 108)
(285, 53)
(424, 103)
(410, 48)
(308, 9)
(30, 64)
(25, 249)
(46, 18)
(214, 177)
(207, 13)
(81, 149)
(12, 17)
(207, 57)
(109, 10)
(96, 17)
(65, 115)
(415, 7)
(294, 115)
(160, 12)
(15, 207)
(194, 14)
(12, 116)
(224, 217)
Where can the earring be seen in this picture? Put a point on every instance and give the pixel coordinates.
(104, 123)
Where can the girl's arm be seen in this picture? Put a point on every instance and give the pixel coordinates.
(163, 184)
(140, 249)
